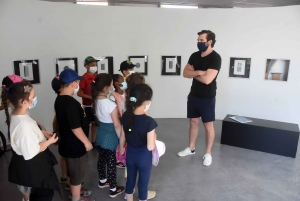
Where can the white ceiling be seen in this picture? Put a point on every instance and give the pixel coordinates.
(200, 3)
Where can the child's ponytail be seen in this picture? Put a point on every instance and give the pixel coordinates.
(5, 104)
(138, 95)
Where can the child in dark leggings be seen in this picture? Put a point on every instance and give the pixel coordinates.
(108, 132)
(140, 135)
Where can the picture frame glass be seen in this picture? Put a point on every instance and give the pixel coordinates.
(63, 64)
(103, 66)
(239, 67)
(171, 65)
(26, 71)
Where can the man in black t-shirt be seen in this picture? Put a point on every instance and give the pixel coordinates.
(74, 143)
(203, 66)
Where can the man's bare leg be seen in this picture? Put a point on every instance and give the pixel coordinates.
(193, 133)
(210, 137)
(194, 130)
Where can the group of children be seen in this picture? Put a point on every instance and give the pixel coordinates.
(115, 109)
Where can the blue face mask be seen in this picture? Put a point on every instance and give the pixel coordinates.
(124, 86)
(201, 46)
(34, 103)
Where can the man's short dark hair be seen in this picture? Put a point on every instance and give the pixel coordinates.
(210, 36)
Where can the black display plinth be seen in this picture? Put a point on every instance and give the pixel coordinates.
(261, 135)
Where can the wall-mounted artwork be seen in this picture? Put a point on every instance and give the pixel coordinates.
(141, 63)
(105, 65)
(170, 65)
(28, 70)
(239, 67)
(277, 69)
(63, 63)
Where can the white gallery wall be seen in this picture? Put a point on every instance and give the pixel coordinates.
(31, 29)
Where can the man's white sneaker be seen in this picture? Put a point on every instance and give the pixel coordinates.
(186, 152)
(207, 160)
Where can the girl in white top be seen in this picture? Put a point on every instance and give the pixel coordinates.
(27, 140)
(108, 132)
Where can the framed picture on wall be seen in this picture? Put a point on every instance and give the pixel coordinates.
(170, 65)
(63, 63)
(28, 70)
(105, 65)
(277, 69)
(239, 67)
(141, 63)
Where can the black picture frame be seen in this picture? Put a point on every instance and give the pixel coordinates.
(138, 64)
(58, 69)
(164, 69)
(34, 72)
(232, 67)
(110, 63)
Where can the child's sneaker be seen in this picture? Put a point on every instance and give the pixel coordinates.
(118, 191)
(151, 194)
(120, 165)
(103, 185)
(83, 192)
(63, 180)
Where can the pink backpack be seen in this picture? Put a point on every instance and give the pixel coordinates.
(121, 158)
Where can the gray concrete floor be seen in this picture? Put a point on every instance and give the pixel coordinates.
(236, 174)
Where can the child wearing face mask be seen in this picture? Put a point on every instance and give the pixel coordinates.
(127, 68)
(74, 143)
(55, 83)
(139, 129)
(118, 96)
(108, 133)
(32, 162)
(90, 63)
(132, 80)
(7, 82)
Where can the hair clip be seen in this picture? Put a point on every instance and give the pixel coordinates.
(93, 81)
(133, 99)
(7, 89)
(27, 89)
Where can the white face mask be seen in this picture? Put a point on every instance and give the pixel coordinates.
(130, 72)
(147, 107)
(93, 69)
(113, 89)
(76, 90)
